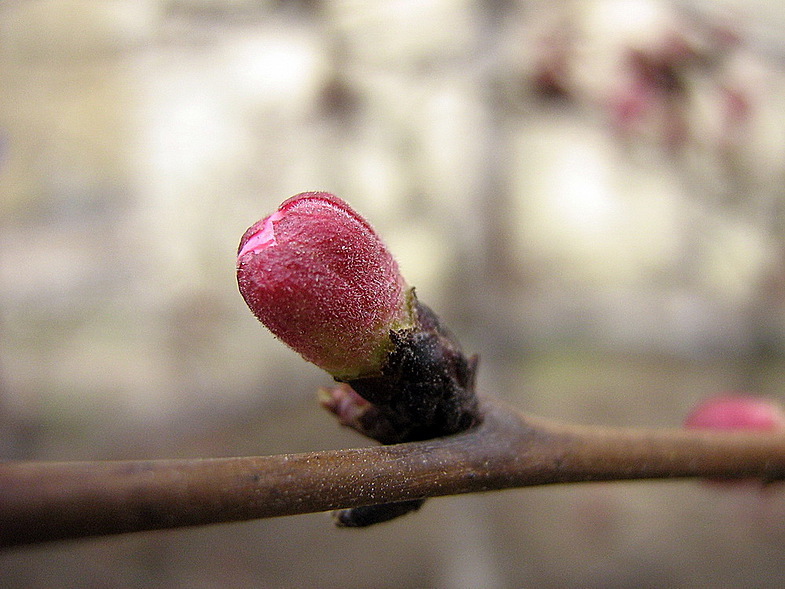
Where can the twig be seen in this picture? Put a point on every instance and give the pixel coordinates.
(42, 501)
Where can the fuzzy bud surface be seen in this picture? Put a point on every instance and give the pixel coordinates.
(319, 277)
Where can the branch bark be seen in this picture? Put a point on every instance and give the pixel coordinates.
(42, 501)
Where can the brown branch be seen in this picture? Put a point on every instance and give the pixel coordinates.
(42, 501)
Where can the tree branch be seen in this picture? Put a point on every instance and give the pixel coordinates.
(42, 501)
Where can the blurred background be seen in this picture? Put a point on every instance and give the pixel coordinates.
(589, 192)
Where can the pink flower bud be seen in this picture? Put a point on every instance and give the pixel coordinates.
(736, 411)
(319, 277)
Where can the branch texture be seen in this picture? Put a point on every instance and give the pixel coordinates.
(51, 501)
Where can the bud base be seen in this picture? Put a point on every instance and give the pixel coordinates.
(426, 390)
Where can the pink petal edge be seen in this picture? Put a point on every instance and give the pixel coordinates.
(263, 238)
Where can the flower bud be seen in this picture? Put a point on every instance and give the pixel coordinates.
(735, 411)
(319, 277)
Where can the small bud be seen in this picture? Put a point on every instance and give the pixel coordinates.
(357, 413)
(319, 277)
(736, 411)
